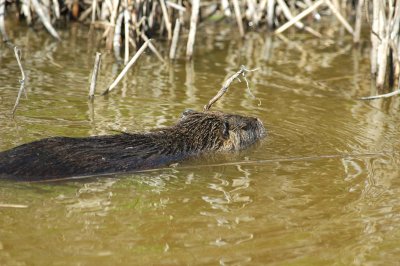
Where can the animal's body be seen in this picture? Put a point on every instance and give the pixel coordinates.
(195, 133)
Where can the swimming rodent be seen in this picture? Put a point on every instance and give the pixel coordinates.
(195, 133)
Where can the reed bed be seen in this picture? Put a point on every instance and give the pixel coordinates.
(127, 24)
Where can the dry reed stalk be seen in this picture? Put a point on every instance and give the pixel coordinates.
(2, 24)
(127, 67)
(238, 15)
(127, 33)
(384, 33)
(111, 27)
(95, 73)
(94, 7)
(117, 37)
(260, 11)
(175, 38)
(166, 19)
(44, 18)
(56, 8)
(300, 25)
(17, 53)
(176, 6)
(299, 16)
(193, 27)
(225, 8)
(374, 36)
(357, 26)
(271, 13)
(152, 47)
(342, 20)
(85, 14)
(26, 10)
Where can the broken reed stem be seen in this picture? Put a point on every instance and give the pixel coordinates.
(339, 16)
(45, 19)
(152, 47)
(299, 17)
(193, 28)
(238, 15)
(298, 24)
(126, 68)
(166, 19)
(226, 85)
(175, 38)
(96, 68)
(17, 53)
(2, 24)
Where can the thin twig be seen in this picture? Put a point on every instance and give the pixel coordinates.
(126, 68)
(96, 68)
(17, 53)
(226, 85)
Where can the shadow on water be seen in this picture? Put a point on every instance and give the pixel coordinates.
(321, 188)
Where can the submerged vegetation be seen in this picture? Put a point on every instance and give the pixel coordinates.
(126, 24)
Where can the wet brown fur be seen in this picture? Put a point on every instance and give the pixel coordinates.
(195, 133)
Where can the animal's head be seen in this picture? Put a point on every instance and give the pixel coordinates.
(221, 131)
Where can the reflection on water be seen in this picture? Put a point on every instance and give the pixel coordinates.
(322, 188)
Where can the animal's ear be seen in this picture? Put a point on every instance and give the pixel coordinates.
(225, 130)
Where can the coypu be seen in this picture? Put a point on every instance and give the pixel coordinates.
(195, 133)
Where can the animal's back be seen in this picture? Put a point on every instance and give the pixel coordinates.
(67, 157)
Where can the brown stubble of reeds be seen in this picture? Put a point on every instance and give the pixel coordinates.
(127, 24)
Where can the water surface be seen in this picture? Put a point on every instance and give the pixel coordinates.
(322, 188)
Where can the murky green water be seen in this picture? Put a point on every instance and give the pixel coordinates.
(322, 188)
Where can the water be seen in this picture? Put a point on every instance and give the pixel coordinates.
(322, 188)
